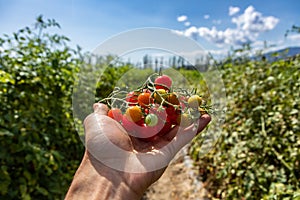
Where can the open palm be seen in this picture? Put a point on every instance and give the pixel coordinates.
(139, 163)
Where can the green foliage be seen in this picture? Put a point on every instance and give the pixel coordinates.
(109, 79)
(258, 153)
(40, 149)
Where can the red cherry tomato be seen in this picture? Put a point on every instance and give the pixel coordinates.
(132, 98)
(116, 114)
(163, 82)
(166, 129)
(172, 114)
(141, 122)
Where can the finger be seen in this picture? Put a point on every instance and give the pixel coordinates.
(100, 108)
(185, 135)
(203, 122)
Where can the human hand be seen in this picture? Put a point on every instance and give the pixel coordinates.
(127, 164)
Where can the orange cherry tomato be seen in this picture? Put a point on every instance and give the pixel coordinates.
(134, 113)
(173, 99)
(144, 99)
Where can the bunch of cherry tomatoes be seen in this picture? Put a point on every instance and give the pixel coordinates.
(153, 109)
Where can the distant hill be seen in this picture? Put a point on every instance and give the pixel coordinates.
(282, 53)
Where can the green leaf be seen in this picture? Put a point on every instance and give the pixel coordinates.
(42, 190)
(6, 77)
(5, 132)
(5, 180)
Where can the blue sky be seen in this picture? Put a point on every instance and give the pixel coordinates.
(216, 24)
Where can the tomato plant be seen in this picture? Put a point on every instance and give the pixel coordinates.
(252, 157)
(37, 135)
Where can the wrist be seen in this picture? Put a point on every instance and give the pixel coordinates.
(96, 181)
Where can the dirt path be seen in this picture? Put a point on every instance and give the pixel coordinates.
(179, 182)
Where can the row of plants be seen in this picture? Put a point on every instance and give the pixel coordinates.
(258, 152)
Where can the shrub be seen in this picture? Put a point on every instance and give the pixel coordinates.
(40, 149)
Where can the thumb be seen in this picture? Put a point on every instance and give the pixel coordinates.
(100, 108)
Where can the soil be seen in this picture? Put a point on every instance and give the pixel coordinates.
(179, 182)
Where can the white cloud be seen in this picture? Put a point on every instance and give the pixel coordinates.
(212, 35)
(249, 25)
(182, 18)
(191, 31)
(233, 10)
(187, 23)
(253, 21)
(206, 16)
(229, 36)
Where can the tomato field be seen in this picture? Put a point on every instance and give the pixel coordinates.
(255, 156)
